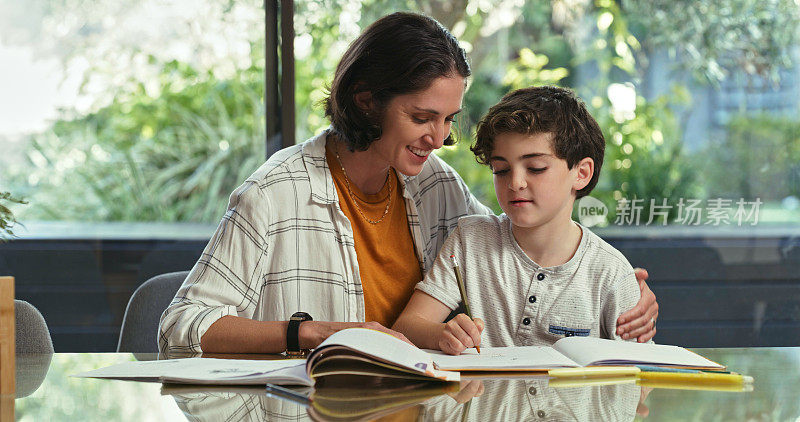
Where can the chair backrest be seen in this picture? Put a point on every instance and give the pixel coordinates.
(32, 335)
(139, 333)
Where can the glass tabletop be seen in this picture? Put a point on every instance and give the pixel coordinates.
(46, 391)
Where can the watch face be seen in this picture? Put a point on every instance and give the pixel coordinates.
(301, 316)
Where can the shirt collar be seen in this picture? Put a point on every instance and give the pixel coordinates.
(323, 190)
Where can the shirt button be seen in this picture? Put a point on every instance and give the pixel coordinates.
(532, 299)
(540, 413)
(540, 277)
(526, 321)
(532, 391)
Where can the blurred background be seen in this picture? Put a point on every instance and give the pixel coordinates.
(125, 125)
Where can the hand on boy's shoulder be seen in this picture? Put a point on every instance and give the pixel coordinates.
(640, 322)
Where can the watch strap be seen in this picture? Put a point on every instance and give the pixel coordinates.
(293, 331)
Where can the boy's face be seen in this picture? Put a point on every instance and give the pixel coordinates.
(533, 186)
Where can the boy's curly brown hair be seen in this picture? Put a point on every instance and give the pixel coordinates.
(545, 109)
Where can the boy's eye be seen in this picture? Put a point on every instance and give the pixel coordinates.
(500, 172)
(536, 169)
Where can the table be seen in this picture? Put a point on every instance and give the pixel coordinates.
(61, 397)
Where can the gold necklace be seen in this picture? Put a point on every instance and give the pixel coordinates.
(353, 197)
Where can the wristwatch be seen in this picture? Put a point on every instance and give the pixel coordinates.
(293, 331)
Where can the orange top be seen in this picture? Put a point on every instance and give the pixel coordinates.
(387, 260)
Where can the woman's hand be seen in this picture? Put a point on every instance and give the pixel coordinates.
(312, 333)
(459, 334)
(640, 322)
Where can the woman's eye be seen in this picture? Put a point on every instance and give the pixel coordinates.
(419, 120)
(499, 172)
(450, 119)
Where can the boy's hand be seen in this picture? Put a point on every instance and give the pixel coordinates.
(460, 333)
(467, 390)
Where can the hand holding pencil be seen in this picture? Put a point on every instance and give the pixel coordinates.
(463, 331)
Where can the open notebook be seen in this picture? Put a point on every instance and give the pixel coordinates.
(361, 352)
(351, 352)
(572, 352)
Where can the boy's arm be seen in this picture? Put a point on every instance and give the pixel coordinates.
(622, 295)
(421, 322)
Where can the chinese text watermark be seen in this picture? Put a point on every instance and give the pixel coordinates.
(689, 212)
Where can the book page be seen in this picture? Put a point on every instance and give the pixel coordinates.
(207, 371)
(241, 372)
(384, 347)
(597, 351)
(136, 370)
(517, 358)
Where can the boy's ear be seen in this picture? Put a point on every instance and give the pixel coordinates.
(584, 175)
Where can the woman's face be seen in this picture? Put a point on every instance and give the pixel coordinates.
(416, 124)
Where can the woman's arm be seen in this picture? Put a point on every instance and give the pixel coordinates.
(225, 280)
(640, 322)
(232, 334)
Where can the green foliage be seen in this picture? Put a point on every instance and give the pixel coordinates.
(759, 158)
(7, 219)
(756, 36)
(644, 154)
(174, 153)
(175, 156)
(645, 157)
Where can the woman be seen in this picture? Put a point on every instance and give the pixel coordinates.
(342, 227)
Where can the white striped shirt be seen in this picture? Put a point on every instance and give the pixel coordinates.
(284, 245)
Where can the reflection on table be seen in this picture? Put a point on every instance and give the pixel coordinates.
(501, 399)
(60, 397)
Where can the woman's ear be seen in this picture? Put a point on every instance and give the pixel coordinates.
(584, 174)
(363, 100)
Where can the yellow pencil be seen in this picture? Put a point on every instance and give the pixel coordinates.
(736, 388)
(463, 289)
(705, 378)
(590, 381)
(594, 371)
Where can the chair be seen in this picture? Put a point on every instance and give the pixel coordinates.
(34, 348)
(139, 333)
(32, 335)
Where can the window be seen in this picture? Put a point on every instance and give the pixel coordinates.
(701, 180)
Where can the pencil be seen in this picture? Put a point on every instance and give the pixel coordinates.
(593, 371)
(463, 289)
(287, 394)
(698, 378)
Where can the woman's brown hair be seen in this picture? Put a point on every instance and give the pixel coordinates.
(402, 53)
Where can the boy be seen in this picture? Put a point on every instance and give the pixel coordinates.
(532, 274)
